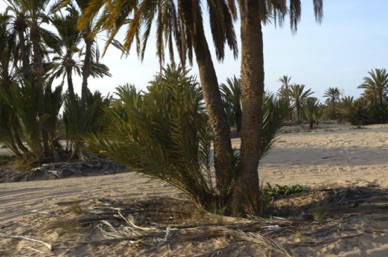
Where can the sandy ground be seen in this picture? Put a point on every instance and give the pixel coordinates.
(328, 157)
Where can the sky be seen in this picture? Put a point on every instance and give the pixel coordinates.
(351, 40)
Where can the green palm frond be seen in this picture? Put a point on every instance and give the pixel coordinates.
(275, 113)
(164, 133)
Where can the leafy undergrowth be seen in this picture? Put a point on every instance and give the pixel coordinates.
(328, 219)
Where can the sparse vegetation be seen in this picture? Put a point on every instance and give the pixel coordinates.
(276, 191)
(359, 127)
(320, 212)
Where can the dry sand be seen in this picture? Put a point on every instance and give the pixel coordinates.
(328, 157)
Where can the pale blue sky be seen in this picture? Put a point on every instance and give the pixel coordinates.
(352, 40)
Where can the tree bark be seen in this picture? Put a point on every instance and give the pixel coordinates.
(246, 193)
(86, 68)
(219, 122)
(39, 73)
(70, 86)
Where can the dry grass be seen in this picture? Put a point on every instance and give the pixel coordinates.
(172, 227)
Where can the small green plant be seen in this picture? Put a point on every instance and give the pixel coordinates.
(276, 191)
(320, 212)
(65, 226)
(6, 159)
(76, 208)
(360, 127)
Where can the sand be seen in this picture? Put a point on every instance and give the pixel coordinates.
(329, 157)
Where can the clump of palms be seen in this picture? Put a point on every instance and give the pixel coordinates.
(353, 111)
(375, 94)
(376, 87)
(165, 133)
(32, 58)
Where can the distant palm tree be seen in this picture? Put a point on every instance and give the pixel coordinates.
(312, 110)
(34, 43)
(91, 54)
(231, 93)
(285, 80)
(376, 86)
(353, 111)
(298, 95)
(333, 96)
(9, 125)
(68, 63)
(284, 90)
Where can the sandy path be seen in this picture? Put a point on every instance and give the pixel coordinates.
(343, 156)
(18, 199)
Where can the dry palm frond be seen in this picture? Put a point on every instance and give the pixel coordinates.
(49, 246)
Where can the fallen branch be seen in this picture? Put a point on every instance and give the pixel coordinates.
(49, 246)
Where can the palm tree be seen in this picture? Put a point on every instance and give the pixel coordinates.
(67, 64)
(29, 16)
(353, 111)
(253, 13)
(283, 91)
(164, 132)
(333, 96)
(285, 84)
(312, 110)
(231, 93)
(9, 126)
(179, 21)
(298, 96)
(90, 65)
(376, 86)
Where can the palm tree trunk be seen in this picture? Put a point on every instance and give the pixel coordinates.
(297, 105)
(238, 119)
(246, 194)
(215, 108)
(86, 68)
(26, 69)
(39, 73)
(18, 140)
(70, 86)
(380, 93)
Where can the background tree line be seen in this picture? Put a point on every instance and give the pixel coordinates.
(369, 108)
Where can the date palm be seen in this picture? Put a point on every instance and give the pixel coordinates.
(283, 91)
(179, 23)
(285, 84)
(90, 65)
(68, 63)
(333, 96)
(71, 60)
(252, 14)
(298, 96)
(376, 86)
(312, 110)
(231, 92)
(164, 133)
(9, 125)
(28, 16)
